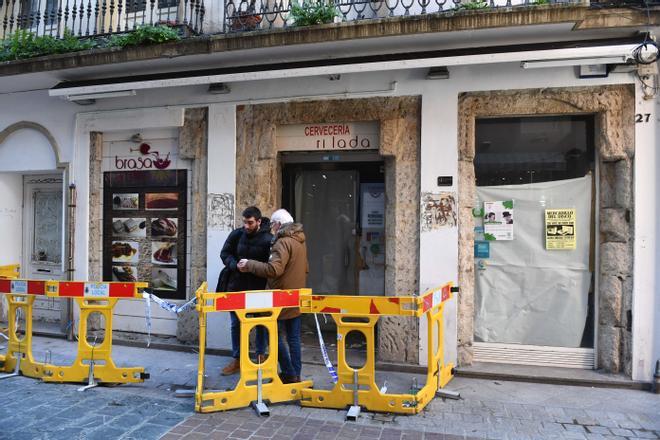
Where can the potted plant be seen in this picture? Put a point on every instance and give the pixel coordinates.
(312, 12)
(247, 20)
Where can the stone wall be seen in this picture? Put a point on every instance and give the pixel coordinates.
(613, 107)
(257, 161)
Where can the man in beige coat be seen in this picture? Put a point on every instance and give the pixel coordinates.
(287, 268)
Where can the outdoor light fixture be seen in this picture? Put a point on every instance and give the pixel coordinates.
(541, 64)
(219, 89)
(93, 96)
(440, 72)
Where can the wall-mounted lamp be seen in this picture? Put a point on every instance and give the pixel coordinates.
(84, 98)
(219, 89)
(542, 64)
(440, 72)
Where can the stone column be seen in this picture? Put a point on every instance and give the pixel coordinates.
(193, 145)
(95, 217)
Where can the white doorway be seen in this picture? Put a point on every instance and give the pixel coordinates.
(43, 245)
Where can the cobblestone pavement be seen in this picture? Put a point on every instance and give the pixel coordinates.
(488, 409)
(37, 410)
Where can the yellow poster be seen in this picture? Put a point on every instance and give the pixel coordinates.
(560, 228)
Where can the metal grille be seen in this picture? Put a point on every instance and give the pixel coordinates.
(87, 18)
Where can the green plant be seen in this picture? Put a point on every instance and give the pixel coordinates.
(23, 44)
(540, 2)
(145, 35)
(312, 12)
(472, 5)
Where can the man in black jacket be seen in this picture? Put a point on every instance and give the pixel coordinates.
(252, 242)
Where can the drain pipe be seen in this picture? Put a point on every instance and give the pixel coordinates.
(656, 378)
(70, 250)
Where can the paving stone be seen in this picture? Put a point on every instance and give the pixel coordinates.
(104, 433)
(575, 428)
(622, 432)
(148, 431)
(598, 430)
(644, 434)
(629, 424)
(166, 418)
(127, 421)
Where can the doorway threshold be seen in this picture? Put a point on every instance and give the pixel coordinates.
(549, 375)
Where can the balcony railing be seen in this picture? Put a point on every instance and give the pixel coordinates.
(88, 18)
(97, 18)
(247, 15)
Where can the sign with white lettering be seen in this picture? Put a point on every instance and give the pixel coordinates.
(97, 289)
(353, 136)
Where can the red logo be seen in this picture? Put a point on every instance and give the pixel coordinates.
(141, 163)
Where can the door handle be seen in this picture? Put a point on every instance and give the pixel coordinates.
(44, 270)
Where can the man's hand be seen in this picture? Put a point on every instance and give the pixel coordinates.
(242, 265)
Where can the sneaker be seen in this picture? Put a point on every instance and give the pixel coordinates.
(232, 368)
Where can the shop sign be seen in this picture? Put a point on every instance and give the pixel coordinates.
(142, 157)
(340, 136)
(560, 230)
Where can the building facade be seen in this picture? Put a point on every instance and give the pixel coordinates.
(511, 151)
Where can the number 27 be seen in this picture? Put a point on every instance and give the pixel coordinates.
(642, 117)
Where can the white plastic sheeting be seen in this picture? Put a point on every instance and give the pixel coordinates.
(526, 294)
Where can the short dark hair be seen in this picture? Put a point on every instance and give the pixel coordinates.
(252, 211)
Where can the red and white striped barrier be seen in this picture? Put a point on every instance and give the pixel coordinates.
(435, 298)
(257, 300)
(81, 289)
(25, 287)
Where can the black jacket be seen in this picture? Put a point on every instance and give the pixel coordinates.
(253, 247)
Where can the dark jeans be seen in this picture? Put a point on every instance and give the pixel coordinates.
(289, 357)
(236, 337)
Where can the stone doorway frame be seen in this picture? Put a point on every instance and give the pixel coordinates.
(193, 146)
(257, 160)
(613, 108)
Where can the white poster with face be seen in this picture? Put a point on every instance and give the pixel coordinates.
(498, 220)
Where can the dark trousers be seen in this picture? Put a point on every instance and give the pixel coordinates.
(289, 350)
(236, 337)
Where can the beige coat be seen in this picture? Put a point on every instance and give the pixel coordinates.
(287, 266)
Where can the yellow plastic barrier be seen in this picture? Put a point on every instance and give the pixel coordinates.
(356, 388)
(258, 383)
(94, 361)
(20, 298)
(10, 272)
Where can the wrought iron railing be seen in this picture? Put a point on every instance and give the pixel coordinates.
(247, 15)
(89, 18)
(84, 18)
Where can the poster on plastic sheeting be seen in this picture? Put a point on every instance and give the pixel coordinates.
(560, 230)
(498, 220)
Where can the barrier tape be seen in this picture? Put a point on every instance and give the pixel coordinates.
(324, 352)
(165, 305)
(147, 316)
